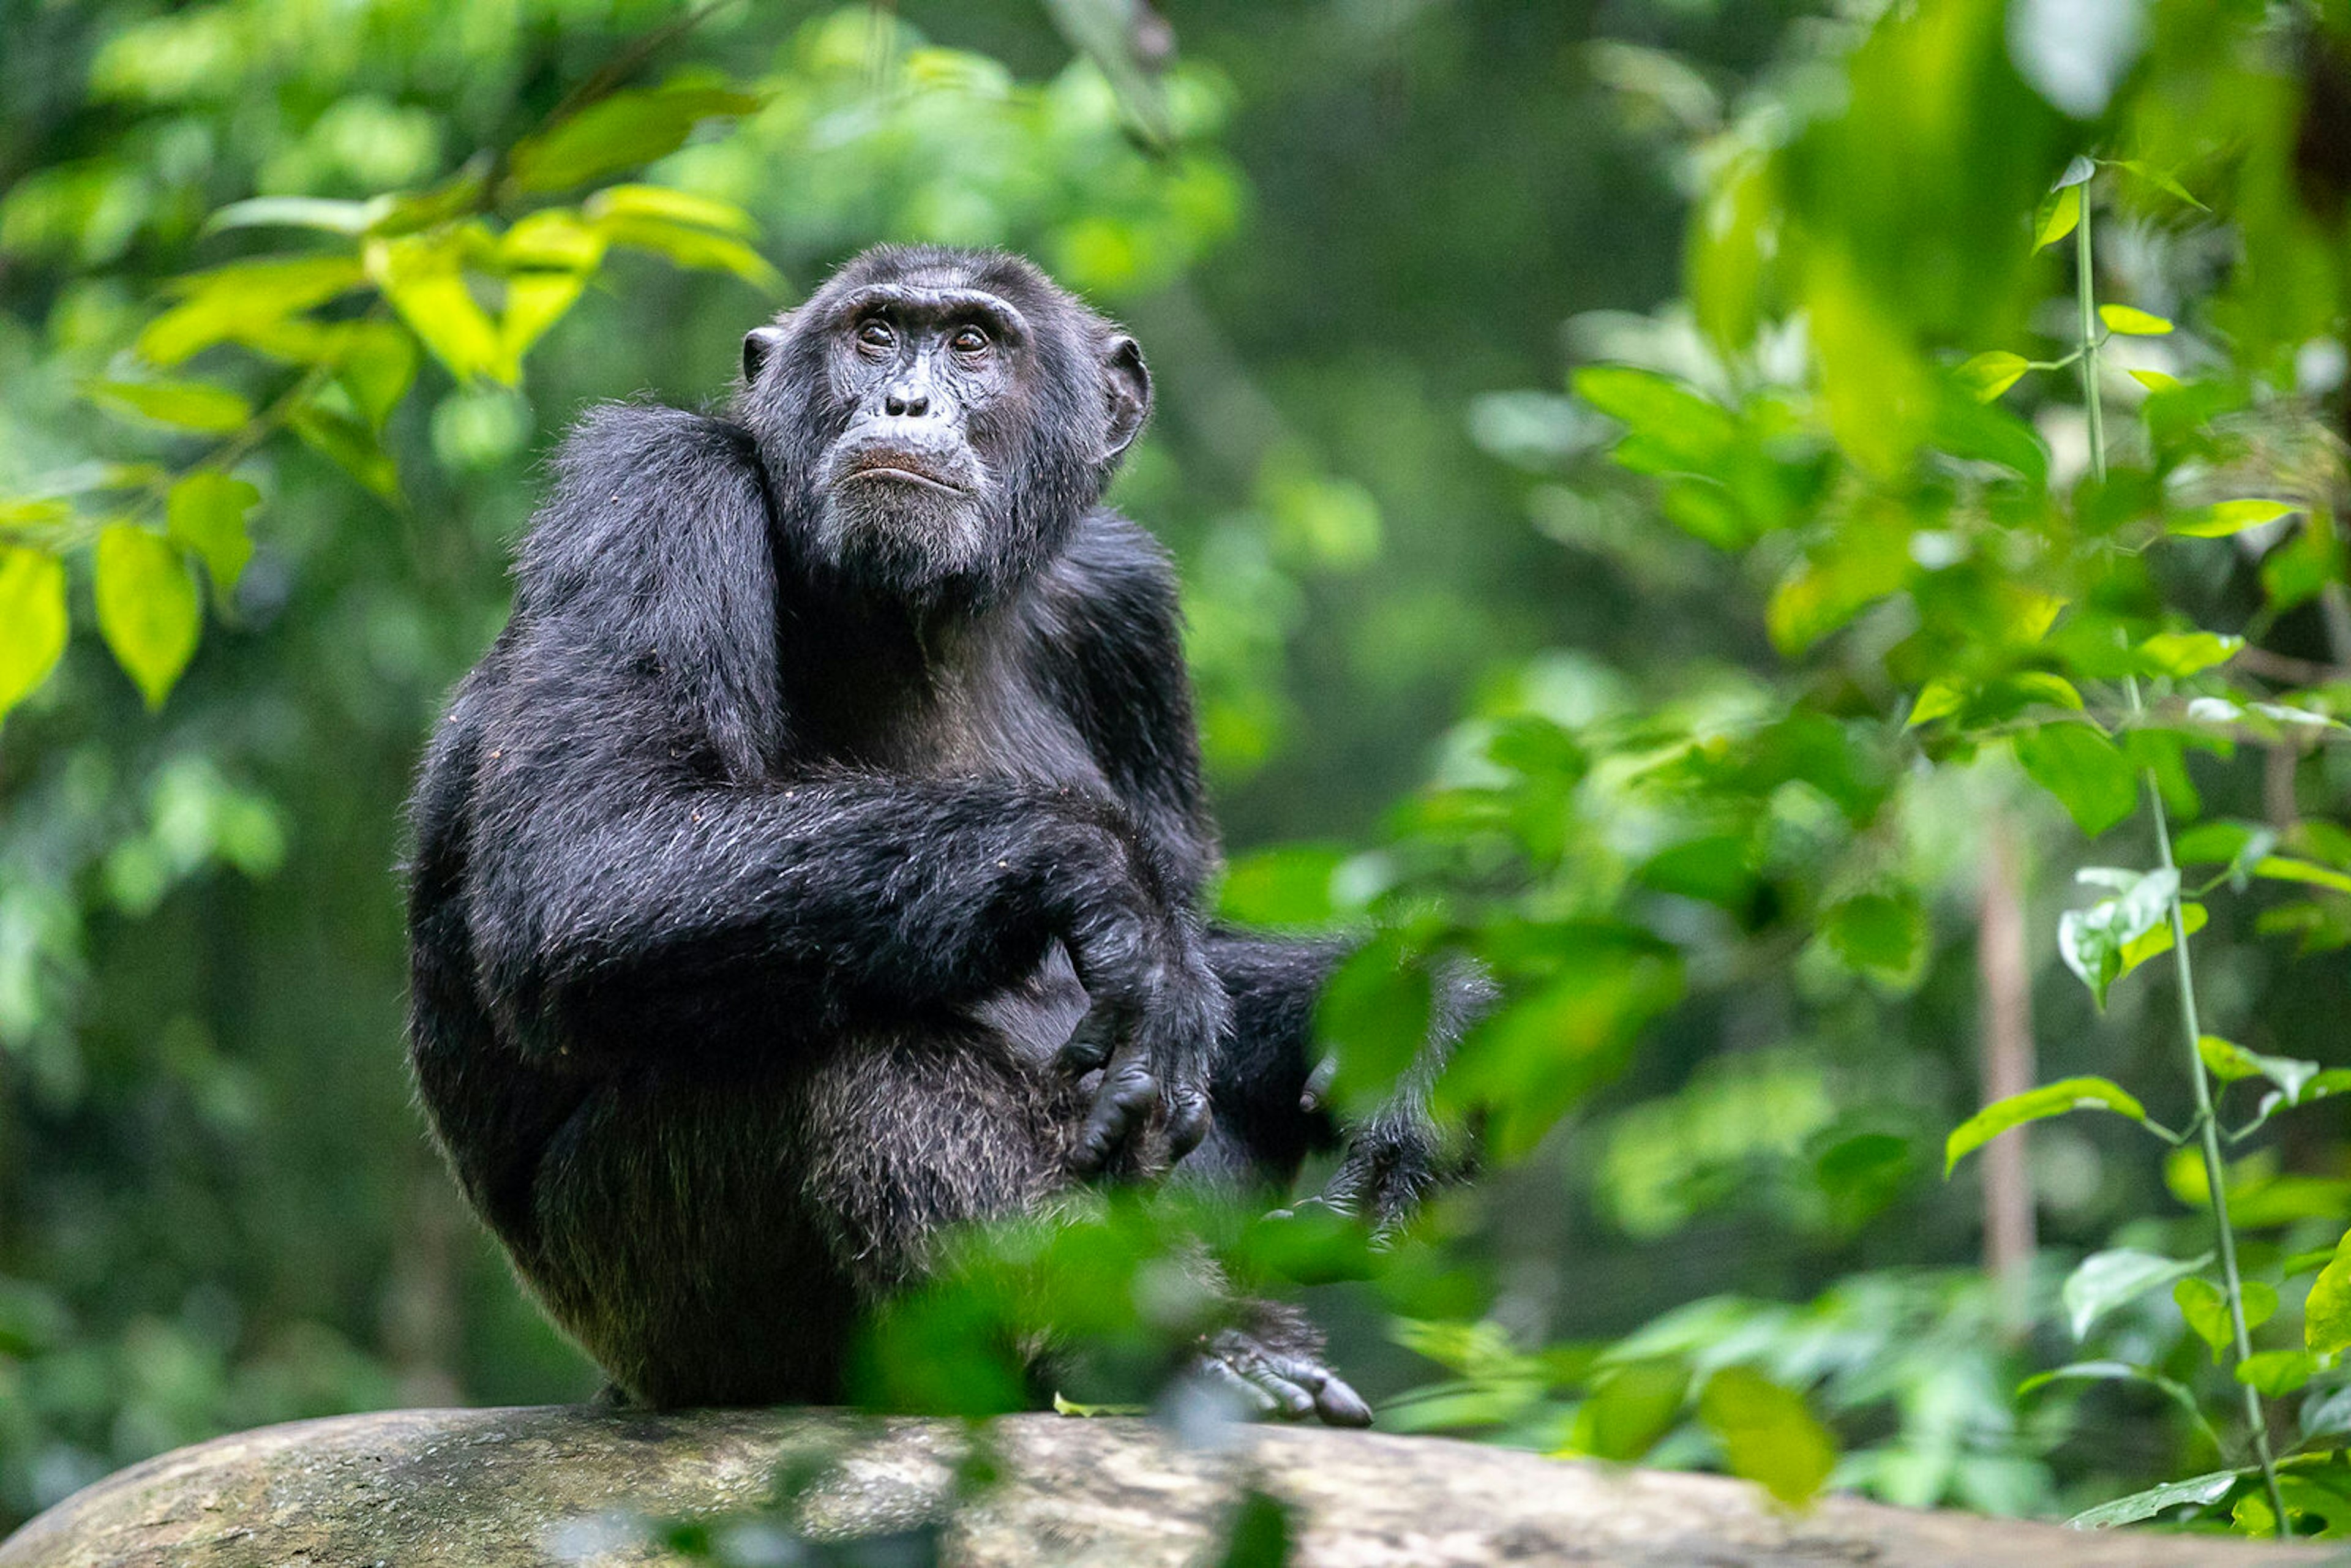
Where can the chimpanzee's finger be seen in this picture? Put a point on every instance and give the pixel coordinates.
(1122, 1105)
(1188, 1121)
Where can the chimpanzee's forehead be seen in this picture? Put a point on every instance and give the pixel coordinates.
(1012, 278)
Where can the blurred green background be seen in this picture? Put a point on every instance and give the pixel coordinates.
(1373, 239)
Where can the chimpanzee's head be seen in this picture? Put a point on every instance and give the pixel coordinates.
(934, 420)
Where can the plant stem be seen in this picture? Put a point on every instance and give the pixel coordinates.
(2086, 292)
(2208, 1128)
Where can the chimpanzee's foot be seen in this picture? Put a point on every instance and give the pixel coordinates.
(1290, 1383)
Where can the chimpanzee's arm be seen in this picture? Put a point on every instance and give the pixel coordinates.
(644, 860)
(1112, 653)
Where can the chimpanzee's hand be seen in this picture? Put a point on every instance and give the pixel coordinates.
(1157, 1012)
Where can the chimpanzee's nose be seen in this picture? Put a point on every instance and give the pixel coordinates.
(906, 404)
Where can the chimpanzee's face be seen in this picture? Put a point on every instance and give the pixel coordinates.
(933, 382)
(940, 419)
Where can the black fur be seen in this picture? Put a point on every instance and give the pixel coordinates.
(803, 813)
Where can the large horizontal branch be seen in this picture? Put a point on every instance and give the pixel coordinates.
(499, 1488)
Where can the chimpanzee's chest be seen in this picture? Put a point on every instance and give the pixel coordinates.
(981, 714)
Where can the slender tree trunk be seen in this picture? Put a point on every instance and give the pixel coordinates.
(2004, 1012)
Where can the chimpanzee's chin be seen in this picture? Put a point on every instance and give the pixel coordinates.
(900, 541)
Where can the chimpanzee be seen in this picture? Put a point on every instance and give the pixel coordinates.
(815, 860)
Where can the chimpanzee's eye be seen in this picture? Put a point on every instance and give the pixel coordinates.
(874, 333)
(970, 340)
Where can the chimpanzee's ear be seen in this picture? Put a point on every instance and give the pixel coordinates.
(1127, 385)
(759, 345)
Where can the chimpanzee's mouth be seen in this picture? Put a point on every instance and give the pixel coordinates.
(899, 474)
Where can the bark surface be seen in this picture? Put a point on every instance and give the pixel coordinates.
(579, 1485)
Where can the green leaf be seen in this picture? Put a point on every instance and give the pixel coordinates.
(2096, 942)
(2201, 1490)
(1375, 1016)
(2281, 868)
(2079, 170)
(1677, 430)
(627, 129)
(2276, 1372)
(299, 212)
(2206, 1307)
(672, 206)
(241, 300)
(2160, 180)
(2056, 1098)
(1287, 885)
(1091, 1412)
(185, 405)
(425, 282)
(206, 517)
(32, 620)
(2156, 942)
(2104, 1280)
(2230, 1062)
(695, 247)
(1989, 374)
(2222, 518)
(377, 368)
(1767, 1435)
(2060, 212)
(147, 608)
(2186, 652)
(1633, 1406)
(347, 443)
(2176, 1391)
(1878, 933)
(2132, 322)
(2326, 1313)
(2089, 773)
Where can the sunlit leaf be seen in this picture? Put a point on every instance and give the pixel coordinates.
(1991, 373)
(147, 608)
(206, 514)
(184, 405)
(241, 300)
(2059, 214)
(672, 206)
(2222, 518)
(1767, 1435)
(2326, 1312)
(32, 620)
(424, 279)
(377, 367)
(2187, 653)
(2275, 1372)
(535, 301)
(2104, 1280)
(2067, 1095)
(2282, 868)
(2132, 322)
(687, 246)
